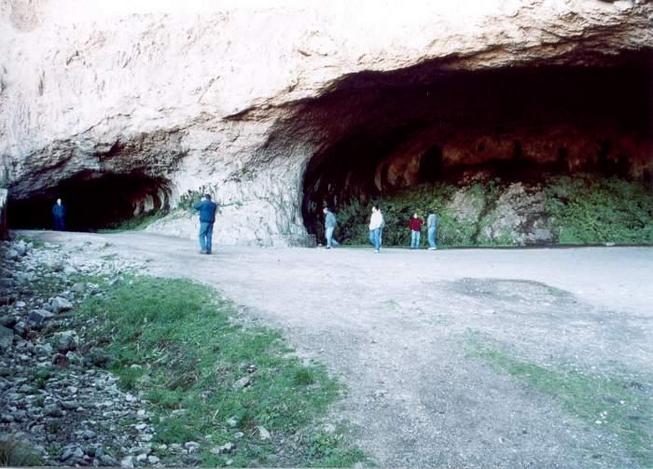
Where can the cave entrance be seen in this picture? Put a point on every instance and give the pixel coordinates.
(93, 201)
(381, 132)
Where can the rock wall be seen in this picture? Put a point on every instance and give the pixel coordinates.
(226, 97)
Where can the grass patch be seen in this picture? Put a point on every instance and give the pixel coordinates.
(139, 222)
(212, 381)
(14, 453)
(617, 404)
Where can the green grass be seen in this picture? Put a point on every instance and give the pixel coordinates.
(15, 453)
(139, 222)
(586, 210)
(173, 341)
(612, 402)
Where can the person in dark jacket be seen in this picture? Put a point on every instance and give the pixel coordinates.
(59, 215)
(206, 208)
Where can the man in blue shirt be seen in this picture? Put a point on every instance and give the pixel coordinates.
(207, 209)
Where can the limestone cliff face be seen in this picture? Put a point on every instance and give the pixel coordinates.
(240, 100)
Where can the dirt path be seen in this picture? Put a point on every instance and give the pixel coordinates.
(397, 328)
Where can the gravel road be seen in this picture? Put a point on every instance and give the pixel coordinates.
(397, 327)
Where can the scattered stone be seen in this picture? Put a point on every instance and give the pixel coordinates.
(20, 247)
(127, 461)
(242, 383)
(8, 321)
(226, 448)
(141, 457)
(60, 360)
(79, 288)
(232, 422)
(71, 452)
(66, 341)
(153, 460)
(11, 254)
(60, 305)
(263, 433)
(191, 446)
(107, 460)
(329, 428)
(6, 338)
(39, 316)
(52, 410)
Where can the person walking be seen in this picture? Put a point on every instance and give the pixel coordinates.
(415, 225)
(59, 215)
(431, 226)
(330, 223)
(206, 208)
(376, 227)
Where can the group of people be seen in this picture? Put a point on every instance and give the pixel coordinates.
(376, 225)
(207, 210)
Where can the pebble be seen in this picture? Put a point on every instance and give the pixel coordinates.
(226, 448)
(264, 434)
(60, 305)
(191, 446)
(242, 383)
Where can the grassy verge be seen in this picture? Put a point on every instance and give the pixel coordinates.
(216, 382)
(615, 403)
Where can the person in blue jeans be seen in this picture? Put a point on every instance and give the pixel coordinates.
(415, 225)
(431, 225)
(206, 208)
(376, 228)
(329, 226)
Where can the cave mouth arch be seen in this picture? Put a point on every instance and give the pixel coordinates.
(381, 132)
(93, 201)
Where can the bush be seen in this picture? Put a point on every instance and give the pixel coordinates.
(587, 210)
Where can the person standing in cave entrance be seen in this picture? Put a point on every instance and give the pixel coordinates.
(330, 223)
(206, 208)
(59, 215)
(376, 228)
(415, 225)
(431, 225)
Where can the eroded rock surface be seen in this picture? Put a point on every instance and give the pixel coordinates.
(249, 104)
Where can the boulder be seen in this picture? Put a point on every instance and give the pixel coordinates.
(60, 305)
(37, 317)
(65, 341)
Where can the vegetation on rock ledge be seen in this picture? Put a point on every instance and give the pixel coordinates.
(563, 210)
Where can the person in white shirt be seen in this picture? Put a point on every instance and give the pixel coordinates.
(376, 228)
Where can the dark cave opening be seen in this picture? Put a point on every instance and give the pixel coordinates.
(382, 132)
(92, 201)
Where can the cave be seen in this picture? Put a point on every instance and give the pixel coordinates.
(377, 133)
(93, 201)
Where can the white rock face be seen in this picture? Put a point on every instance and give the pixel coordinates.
(191, 91)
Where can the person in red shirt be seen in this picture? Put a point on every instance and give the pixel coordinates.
(415, 225)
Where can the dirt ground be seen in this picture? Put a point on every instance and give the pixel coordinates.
(396, 327)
